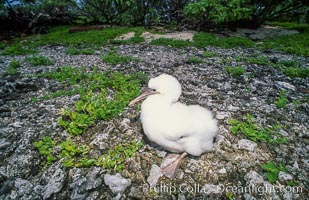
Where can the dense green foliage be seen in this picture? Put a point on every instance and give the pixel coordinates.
(34, 15)
(213, 12)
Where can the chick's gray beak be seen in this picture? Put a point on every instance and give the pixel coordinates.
(144, 95)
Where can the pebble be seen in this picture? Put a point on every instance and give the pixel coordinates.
(284, 176)
(284, 85)
(154, 175)
(117, 184)
(253, 178)
(247, 145)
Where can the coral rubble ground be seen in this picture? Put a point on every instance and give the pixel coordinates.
(232, 170)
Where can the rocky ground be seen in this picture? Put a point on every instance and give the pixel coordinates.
(230, 171)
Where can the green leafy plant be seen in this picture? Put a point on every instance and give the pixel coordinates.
(67, 75)
(272, 171)
(13, 66)
(74, 155)
(282, 100)
(95, 103)
(116, 156)
(249, 129)
(39, 60)
(235, 71)
(66, 92)
(229, 195)
(45, 148)
(114, 58)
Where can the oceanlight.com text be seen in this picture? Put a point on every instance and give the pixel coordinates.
(221, 188)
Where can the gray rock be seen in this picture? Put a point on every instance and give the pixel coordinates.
(283, 133)
(81, 184)
(249, 197)
(154, 175)
(233, 108)
(247, 145)
(284, 85)
(4, 143)
(211, 189)
(54, 184)
(222, 115)
(253, 178)
(116, 183)
(136, 192)
(284, 176)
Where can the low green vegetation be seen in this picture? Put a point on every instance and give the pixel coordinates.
(76, 51)
(272, 171)
(235, 71)
(45, 148)
(297, 44)
(103, 95)
(115, 158)
(17, 49)
(209, 54)
(296, 72)
(39, 60)
(171, 42)
(137, 38)
(292, 69)
(75, 155)
(114, 58)
(290, 25)
(3, 45)
(203, 39)
(282, 100)
(255, 133)
(289, 63)
(60, 35)
(229, 195)
(66, 92)
(260, 60)
(195, 60)
(13, 66)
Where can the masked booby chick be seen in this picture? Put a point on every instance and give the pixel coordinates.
(179, 128)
